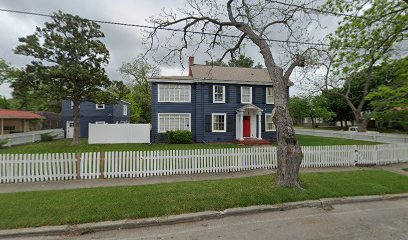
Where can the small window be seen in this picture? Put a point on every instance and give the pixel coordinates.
(246, 94)
(219, 122)
(218, 94)
(100, 106)
(269, 125)
(71, 124)
(270, 98)
(125, 110)
(100, 122)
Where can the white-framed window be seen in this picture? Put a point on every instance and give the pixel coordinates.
(270, 98)
(246, 94)
(100, 106)
(125, 110)
(219, 122)
(100, 122)
(218, 94)
(174, 93)
(269, 125)
(173, 122)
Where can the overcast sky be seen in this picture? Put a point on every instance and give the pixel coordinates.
(124, 43)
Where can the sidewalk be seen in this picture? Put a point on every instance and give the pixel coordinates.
(92, 183)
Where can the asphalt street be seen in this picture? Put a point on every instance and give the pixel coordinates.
(372, 220)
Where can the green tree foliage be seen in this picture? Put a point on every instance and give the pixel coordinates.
(241, 61)
(137, 73)
(312, 107)
(389, 102)
(69, 59)
(361, 42)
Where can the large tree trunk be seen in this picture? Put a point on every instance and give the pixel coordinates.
(361, 124)
(313, 123)
(77, 123)
(289, 153)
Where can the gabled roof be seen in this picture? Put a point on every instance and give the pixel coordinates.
(16, 114)
(239, 74)
(218, 74)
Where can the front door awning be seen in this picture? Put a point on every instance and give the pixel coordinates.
(249, 107)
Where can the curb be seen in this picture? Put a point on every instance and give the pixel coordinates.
(79, 229)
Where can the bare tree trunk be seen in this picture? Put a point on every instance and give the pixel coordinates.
(361, 122)
(313, 123)
(289, 152)
(77, 124)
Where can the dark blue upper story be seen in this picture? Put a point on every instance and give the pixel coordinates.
(91, 112)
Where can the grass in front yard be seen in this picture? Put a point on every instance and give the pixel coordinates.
(32, 209)
(306, 140)
(64, 145)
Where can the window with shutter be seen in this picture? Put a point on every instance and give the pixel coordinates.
(219, 122)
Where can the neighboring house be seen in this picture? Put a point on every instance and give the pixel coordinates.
(15, 121)
(217, 104)
(92, 112)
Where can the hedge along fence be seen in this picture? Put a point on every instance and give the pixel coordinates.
(94, 165)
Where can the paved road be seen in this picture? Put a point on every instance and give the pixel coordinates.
(374, 220)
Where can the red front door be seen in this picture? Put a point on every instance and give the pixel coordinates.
(247, 126)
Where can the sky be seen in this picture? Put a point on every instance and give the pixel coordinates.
(124, 43)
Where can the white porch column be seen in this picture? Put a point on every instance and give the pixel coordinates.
(259, 125)
(241, 126)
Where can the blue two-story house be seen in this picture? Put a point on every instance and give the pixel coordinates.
(92, 112)
(217, 104)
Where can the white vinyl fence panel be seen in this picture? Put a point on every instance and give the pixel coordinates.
(364, 136)
(29, 137)
(131, 164)
(118, 133)
(37, 167)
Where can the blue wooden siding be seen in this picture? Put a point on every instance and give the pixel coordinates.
(89, 114)
(202, 106)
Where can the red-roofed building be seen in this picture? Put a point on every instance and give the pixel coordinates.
(15, 121)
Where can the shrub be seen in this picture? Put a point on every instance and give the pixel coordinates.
(47, 137)
(179, 137)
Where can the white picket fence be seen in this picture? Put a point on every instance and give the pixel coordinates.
(94, 165)
(29, 137)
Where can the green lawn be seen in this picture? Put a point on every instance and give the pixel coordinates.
(32, 209)
(64, 145)
(306, 140)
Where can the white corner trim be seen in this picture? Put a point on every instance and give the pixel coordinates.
(212, 122)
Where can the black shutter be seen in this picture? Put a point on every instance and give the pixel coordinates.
(208, 123)
(230, 123)
(264, 90)
(253, 95)
(263, 119)
(210, 93)
(238, 94)
(227, 94)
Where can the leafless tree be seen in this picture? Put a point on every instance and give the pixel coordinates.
(263, 23)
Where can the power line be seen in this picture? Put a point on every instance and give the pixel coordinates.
(169, 29)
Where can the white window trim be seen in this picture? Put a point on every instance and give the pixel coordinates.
(223, 94)
(125, 110)
(96, 106)
(158, 121)
(225, 122)
(266, 124)
(100, 122)
(267, 102)
(189, 93)
(250, 98)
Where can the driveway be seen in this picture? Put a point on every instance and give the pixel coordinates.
(372, 220)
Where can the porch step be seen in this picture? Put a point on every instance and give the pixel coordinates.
(252, 141)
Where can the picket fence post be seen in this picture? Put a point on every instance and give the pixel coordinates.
(78, 165)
